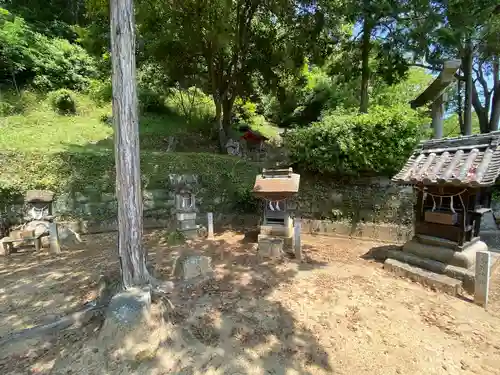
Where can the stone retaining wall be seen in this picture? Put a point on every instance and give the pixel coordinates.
(367, 208)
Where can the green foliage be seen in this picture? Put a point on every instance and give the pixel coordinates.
(63, 101)
(93, 170)
(175, 238)
(351, 143)
(193, 105)
(12, 102)
(151, 102)
(100, 91)
(403, 92)
(451, 126)
(29, 57)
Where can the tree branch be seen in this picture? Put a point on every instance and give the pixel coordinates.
(484, 85)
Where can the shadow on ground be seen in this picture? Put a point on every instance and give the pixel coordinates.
(234, 313)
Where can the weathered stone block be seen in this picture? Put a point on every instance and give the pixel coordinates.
(187, 224)
(129, 306)
(189, 267)
(190, 233)
(270, 247)
(436, 281)
(186, 216)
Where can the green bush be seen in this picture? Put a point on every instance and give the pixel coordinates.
(46, 63)
(63, 101)
(151, 101)
(13, 103)
(197, 109)
(351, 143)
(100, 92)
(7, 109)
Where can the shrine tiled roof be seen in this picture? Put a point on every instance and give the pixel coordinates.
(471, 161)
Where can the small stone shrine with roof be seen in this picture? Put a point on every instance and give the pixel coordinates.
(275, 187)
(453, 180)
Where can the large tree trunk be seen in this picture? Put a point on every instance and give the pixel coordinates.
(495, 103)
(481, 111)
(219, 123)
(126, 127)
(467, 69)
(365, 65)
(460, 112)
(227, 114)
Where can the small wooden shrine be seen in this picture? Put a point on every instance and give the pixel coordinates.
(453, 179)
(275, 187)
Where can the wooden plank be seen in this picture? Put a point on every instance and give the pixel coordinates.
(448, 232)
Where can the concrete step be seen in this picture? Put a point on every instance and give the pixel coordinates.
(433, 280)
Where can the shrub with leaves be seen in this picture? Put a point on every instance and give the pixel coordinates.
(100, 92)
(151, 101)
(63, 101)
(13, 102)
(29, 57)
(193, 105)
(351, 143)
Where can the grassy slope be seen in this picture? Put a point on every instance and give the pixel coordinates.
(41, 149)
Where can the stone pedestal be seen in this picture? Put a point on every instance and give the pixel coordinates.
(283, 232)
(433, 249)
(186, 224)
(270, 246)
(438, 261)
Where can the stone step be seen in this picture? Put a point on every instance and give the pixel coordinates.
(433, 280)
(435, 241)
(459, 273)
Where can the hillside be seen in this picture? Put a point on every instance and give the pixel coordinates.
(42, 149)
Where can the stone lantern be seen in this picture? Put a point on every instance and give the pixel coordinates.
(185, 204)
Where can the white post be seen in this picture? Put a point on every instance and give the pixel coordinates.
(297, 244)
(210, 217)
(54, 239)
(482, 279)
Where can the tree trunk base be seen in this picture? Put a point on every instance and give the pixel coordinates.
(131, 335)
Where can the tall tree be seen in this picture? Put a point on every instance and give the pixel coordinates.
(468, 31)
(225, 47)
(126, 127)
(380, 31)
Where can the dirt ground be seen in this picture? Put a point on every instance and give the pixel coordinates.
(336, 313)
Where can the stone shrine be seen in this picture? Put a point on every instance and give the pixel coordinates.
(185, 204)
(37, 221)
(275, 186)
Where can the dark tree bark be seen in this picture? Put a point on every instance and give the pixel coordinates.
(365, 65)
(467, 69)
(495, 103)
(126, 128)
(460, 112)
